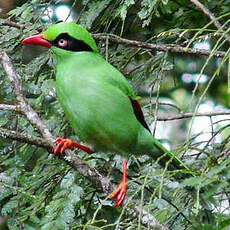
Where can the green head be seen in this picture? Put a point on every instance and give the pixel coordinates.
(65, 36)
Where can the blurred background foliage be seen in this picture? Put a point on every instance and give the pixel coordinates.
(38, 191)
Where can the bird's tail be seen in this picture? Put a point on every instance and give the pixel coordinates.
(169, 159)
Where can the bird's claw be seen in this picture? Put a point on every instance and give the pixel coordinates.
(62, 145)
(119, 194)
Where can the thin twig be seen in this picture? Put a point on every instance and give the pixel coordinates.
(207, 12)
(192, 114)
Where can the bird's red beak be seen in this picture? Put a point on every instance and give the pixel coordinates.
(37, 40)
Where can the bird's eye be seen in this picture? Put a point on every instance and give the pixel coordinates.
(62, 43)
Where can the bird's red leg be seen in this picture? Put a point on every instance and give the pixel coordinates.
(119, 193)
(63, 144)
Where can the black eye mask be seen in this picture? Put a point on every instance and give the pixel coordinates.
(73, 44)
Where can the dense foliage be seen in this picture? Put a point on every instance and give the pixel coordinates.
(38, 191)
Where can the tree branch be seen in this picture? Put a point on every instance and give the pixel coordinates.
(160, 47)
(192, 114)
(12, 24)
(16, 85)
(6, 107)
(147, 219)
(13, 135)
(181, 115)
(101, 182)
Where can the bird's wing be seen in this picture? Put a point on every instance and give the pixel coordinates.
(119, 81)
(138, 113)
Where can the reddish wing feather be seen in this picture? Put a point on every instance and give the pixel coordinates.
(138, 113)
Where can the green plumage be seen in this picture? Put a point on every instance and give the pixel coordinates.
(96, 99)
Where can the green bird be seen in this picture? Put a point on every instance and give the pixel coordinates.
(98, 102)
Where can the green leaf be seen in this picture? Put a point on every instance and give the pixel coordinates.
(225, 223)
(12, 224)
(61, 210)
(124, 8)
(5, 192)
(143, 13)
(9, 207)
(28, 227)
(48, 226)
(95, 8)
(165, 2)
(194, 181)
(3, 121)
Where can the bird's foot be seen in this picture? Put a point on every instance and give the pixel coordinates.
(119, 193)
(63, 144)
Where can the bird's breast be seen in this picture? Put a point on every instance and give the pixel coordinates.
(97, 109)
